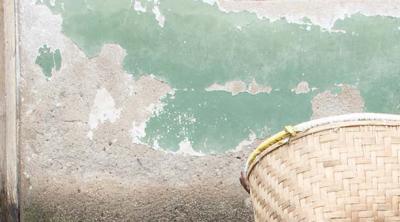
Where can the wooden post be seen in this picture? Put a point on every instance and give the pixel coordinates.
(9, 164)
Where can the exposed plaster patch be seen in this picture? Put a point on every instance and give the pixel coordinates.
(137, 6)
(185, 148)
(237, 86)
(349, 100)
(301, 88)
(322, 13)
(38, 19)
(254, 88)
(103, 109)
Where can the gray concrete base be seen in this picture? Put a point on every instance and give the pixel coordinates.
(107, 201)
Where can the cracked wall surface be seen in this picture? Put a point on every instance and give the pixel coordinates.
(146, 110)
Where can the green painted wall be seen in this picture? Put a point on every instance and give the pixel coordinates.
(200, 45)
(48, 60)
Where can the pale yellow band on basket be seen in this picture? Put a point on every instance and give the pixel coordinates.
(292, 130)
(288, 132)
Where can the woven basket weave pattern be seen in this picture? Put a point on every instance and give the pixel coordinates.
(348, 173)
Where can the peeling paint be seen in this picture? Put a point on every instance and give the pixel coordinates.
(157, 13)
(138, 130)
(322, 13)
(301, 88)
(348, 100)
(59, 148)
(198, 46)
(235, 87)
(254, 88)
(203, 48)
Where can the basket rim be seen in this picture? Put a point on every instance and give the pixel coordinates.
(314, 127)
(345, 118)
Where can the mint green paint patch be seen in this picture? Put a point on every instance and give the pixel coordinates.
(48, 60)
(200, 45)
(218, 121)
(57, 59)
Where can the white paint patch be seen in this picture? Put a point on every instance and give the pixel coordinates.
(301, 88)
(26, 174)
(235, 87)
(52, 2)
(102, 110)
(247, 142)
(90, 135)
(185, 148)
(155, 108)
(138, 132)
(159, 17)
(29, 109)
(210, 2)
(137, 6)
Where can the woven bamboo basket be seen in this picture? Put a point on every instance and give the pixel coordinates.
(343, 168)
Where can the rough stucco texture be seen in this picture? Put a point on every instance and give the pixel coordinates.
(146, 110)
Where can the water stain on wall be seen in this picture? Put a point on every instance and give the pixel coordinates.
(198, 45)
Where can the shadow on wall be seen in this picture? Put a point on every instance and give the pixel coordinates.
(9, 212)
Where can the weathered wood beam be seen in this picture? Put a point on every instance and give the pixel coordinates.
(9, 159)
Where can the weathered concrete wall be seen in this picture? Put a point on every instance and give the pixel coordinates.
(146, 110)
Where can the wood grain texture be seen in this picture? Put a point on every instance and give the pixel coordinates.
(8, 113)
(2, 118)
